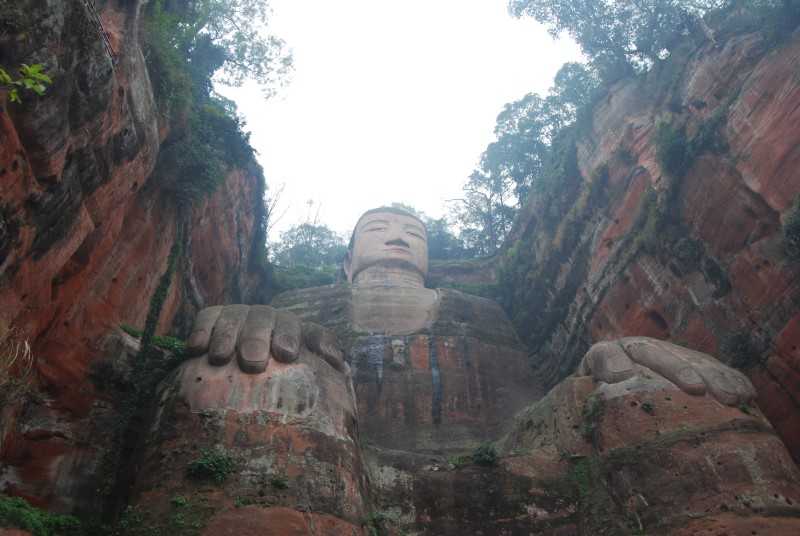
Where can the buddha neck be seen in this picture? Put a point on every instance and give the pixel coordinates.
(388, 276)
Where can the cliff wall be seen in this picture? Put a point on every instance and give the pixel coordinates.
(86, 228)
(669, 221)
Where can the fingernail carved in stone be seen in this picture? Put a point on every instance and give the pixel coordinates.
(253, 356)
(690, 381)
(285, 348)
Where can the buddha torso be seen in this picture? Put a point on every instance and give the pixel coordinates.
(433, 370)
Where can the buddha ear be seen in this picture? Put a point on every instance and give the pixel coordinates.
(347, 265)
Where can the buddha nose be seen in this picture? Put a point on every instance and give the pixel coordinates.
(398, 242)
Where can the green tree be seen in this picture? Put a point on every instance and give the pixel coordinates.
(518, 161)
(307, 255)
(486, 212)
(443, 244)
(188, 45)
(311, 245)
(223, 37)
(620, 36)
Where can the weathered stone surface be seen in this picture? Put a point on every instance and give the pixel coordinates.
(450, 384)
(712, 276)
(289, 433)
(277, 521)
(85, 233)
(638, 456)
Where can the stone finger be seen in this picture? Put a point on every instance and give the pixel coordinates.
(226, 333)
(608, 362)
(728, 385)
(323, 341)
(666, 361)
(254, 339)
(725, 386)
(201, 331)
(286, 337)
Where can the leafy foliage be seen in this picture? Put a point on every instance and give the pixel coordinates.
(187, 44)
(17, 513)
(739, 350)
(165, 342)
(31, 78)
(620, 36)
(302, 277)
(213, 464)
(485, 454)
(779, 18)
(307, 255)
(312, 245)
(525, 157)
(443, 244)
(378, 523)
(593, 411)
(672, 149)
(213, 144)
(791, 232)
(676, 152)
(204, 37)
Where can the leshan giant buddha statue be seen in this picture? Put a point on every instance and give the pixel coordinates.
(370, 406)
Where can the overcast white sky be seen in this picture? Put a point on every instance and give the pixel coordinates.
(390, 101)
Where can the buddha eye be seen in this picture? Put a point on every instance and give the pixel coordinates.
(375, 228)
(417, 235)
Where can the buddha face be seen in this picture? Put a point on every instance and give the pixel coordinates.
(389, 239)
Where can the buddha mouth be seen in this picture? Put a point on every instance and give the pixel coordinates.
(398, 249)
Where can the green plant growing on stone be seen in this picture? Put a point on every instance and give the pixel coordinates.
(592, 415)
(179, 501)
(739, 351)
(15, 512)
(279, 482)
(791, 232)
(485, 454)
(676, 152)
(460, 460)
(648, 407)
(213, 464)
(377, 523)
(31, 78)
(672, 148)
(165, 342)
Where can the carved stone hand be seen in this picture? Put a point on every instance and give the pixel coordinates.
(693, 372)
(254, 334)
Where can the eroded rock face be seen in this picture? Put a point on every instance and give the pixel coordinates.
(85, 234)
(627, 249)
(256, 451)
(639, 456)
(447, 385)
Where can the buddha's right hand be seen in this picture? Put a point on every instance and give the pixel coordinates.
(256, 333)
(691, 371)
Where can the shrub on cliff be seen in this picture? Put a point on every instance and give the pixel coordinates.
(791, 232)
(187, 44)
(672, 149)
(621, 36)
(17, 513)
(31, 78)
(213, 464)
(16, 365)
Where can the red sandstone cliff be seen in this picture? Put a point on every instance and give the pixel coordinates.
(86, 229)
(627, 248)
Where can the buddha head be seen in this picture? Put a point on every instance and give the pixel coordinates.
(388, 246)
